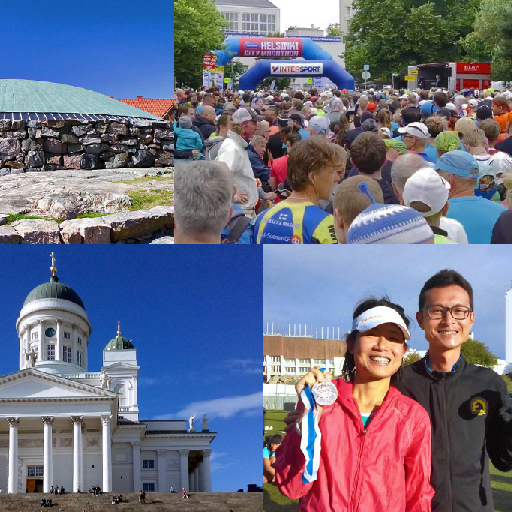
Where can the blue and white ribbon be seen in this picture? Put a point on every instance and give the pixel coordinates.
(310, 442)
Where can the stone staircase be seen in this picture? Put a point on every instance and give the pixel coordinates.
(155, 502)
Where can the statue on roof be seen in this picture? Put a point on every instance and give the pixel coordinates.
(104, 379)
(31, 358)
(205, 423)
(191, 423)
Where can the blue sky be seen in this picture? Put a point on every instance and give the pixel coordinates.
(319, 285)
(194, 316)
(121, 48)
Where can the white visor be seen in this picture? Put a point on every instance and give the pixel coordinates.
(378, 316)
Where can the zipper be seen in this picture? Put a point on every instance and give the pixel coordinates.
(356, 476)
(445, 414)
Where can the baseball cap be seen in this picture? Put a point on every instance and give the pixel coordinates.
(388, 224)
(241, 116)
(418, 130)
(377, 316)
(320, 124)
(298, 118)
(473, 103)
(465, 125)
(372, 107)
(428, 187)
(458, 162)
(427, 108)
(483, 112)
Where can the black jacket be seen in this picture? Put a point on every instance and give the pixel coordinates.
(471, 418)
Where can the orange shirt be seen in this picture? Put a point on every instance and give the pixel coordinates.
(504, 121)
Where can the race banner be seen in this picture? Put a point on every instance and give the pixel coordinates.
(308, 68)
(269, 47)
(209, 61)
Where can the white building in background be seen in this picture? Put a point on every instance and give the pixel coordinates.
(346, 14)
(250, 16)
(61, 424)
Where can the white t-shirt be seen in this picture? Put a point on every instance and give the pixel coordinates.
(455, 230)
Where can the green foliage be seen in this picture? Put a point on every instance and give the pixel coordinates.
(19, 216)
(197, 31)
(476, 352)
(281, 83)
(401, 33)
(91, 215)
(508, 382)
(410, 357)
(333, 30)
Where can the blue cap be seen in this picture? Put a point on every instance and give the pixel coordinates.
(458, 162)
(428, 108)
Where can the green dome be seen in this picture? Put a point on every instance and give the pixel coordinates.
(119, 343)
(54, 290)
(34, 96)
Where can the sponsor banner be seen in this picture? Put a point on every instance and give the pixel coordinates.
(317, 82)
(308, 68)
(206, 79)
(269, 47)
(334, 39)
(209, 61)
(473, 68)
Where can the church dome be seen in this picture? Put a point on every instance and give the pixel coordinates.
(54, 290)
(119, 343)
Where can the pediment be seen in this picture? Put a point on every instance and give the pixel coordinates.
(33, 384)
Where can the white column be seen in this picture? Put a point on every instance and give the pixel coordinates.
(162, 470)
(184, 468)
(197, 482)
(58, 343)
(107, 453)
(205, 472)
(41, 356)
(136, 466)
(12, 485)
(82, 444)
(48, 453)
(77, 451)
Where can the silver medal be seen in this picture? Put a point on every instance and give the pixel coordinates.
(325, 393)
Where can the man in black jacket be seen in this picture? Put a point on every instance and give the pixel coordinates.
(468, 405)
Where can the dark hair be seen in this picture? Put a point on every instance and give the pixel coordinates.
(411, 115)
(368, 152)
(270, 440)
(442, 279)
(349, 366)
(440, 99)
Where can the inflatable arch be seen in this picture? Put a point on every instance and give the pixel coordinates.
(293, 69)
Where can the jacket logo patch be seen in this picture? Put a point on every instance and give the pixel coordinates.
(479, 406)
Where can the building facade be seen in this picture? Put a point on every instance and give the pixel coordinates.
(61, 424)
(250, 17)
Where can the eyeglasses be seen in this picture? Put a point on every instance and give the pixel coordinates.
(457, 312)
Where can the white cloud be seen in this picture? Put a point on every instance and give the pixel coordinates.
(219, 407)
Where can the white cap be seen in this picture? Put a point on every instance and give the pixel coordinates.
(240, 116)
(451, 106)
(427, 186)
(377, 316)
(403, 97)
(419, 130)
(473, 103)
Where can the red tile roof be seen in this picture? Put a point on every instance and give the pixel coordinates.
(156, 107)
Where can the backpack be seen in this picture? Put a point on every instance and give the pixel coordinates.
(236, 230)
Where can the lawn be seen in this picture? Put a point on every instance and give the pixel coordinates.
(274, 501)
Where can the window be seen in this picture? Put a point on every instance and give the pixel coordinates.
(271, 26)
(319, 361)
(79, 358)
(303, 369)
(35, 471)
(290, 369)
(148, 487)
(35, 336)
(50, 352)
(148, 464)
(79, 341)
(232, 19)
(275, 359)
(66, 354)
(305, 361)
(67, 335)
(250, 23)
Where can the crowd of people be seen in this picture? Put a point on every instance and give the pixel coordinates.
(333, 166)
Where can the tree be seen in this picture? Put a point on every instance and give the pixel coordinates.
(476, 352)
(281, 83)
(197, 31)
(406, 32)
(492, 37)
(410, 357)
(333, 30)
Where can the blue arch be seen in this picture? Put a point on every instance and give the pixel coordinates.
(261, 70)
(310, 50)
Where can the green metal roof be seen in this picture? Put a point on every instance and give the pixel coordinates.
(54, 290)
(119, 343)
(33, 96)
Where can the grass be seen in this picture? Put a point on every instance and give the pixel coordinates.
(144, 199)
(274, 501)
(158, 177)
(19, 216)
(91, 215)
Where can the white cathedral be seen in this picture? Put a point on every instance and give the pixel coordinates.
(63, 425)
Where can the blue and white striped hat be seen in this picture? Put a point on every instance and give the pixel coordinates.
(388, 224)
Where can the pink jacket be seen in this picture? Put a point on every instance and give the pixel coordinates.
(383, 468)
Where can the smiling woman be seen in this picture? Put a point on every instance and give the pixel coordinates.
(370, 419)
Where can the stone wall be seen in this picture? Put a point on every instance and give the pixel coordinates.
(73, 144)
